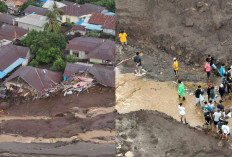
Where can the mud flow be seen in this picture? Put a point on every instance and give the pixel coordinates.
(163, 29)
(60, 126)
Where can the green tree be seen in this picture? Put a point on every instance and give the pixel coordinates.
(59, 64)
(3, 7)
(34, 63)
(71, 59)
(93, 33)
(48, 55)
(44, 40)
(53, 17)
(26, 4)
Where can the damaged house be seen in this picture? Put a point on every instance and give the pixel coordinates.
(104, 75)
(95, 50)
(33, 81)
(12, 56)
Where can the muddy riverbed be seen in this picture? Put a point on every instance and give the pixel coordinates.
(60, 123)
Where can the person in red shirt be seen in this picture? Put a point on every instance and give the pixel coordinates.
(207, 69)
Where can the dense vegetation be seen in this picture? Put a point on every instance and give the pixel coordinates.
(3, 7)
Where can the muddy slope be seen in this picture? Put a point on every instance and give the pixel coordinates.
(188, 29)
(161, 135)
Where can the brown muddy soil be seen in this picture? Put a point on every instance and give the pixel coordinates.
(187, 29)
(151, 133)
(76, 121)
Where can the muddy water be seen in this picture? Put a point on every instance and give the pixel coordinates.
(87, 136)
(6, 118)
(134, 93)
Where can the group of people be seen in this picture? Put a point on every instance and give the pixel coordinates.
(213, 115)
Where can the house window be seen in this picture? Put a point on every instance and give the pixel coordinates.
(76, 54)
(67, 19)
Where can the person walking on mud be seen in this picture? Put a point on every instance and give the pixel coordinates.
(182, 113)
(222, 70)
(208, 90)
(225, 131)
(123, 39)
(212, 94)
(221, 90)
(197, 95)
(138, 61)
(207, 69)
(212, 65)
(175, 68)
(181, 89)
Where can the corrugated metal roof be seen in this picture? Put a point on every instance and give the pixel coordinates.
(14, 65)
(49, 4)
(96, 47)
(34, 19)
(106, 21)
(2, 74)
(33, 9)
(39, 79)
(80, 10)
(94, 27)
(9, 32)
(8, 19)
(10, 53)
(72, 68)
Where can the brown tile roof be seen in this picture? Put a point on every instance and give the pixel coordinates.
(8, 19)
(80, 10)
(106, 21)
(10, 53)
(9, 32)
(104, 75)
(39, 79)
(39, 11)
(78, 28)
(96, 47)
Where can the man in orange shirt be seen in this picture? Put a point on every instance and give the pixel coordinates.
(123, 38)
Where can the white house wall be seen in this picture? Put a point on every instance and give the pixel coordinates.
(94, 60)
(109, 31)
(30, 27)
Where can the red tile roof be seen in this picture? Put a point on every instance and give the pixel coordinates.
(96, 47)
(10, 53)
(9, 32)
(7, 19)
(80, 10)
(39, 79)
(39, 11)
(106, 21)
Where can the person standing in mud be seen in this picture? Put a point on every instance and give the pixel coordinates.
(225, 131)
(217, 115)
(181, 89)
(207, 69)
(197, 95)
(211, 60)
(207, 121)
(138, 61)
(212, 94)
(221, 90)
(175, 68)
(222, 70)
(208, 90)
(205, 108)
(211, 108)
(123, 39)
(182, 113)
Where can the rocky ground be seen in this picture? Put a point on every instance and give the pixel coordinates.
(60, 125)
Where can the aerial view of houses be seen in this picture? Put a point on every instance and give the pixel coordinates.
(59, 52)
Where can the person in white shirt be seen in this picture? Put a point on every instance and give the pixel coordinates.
(182, 113)
(217, 115)
(225, 131)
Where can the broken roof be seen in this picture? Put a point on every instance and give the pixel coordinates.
(10, 53)
(39, 79)
(10, 32)
(34, 19)
(36, 10)
(104, 75)
(80, 10)
(78, 28)
(7, 18)
(107, 21)
(49, 4)
(96, 47)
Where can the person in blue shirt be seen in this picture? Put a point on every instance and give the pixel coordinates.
(222, 70)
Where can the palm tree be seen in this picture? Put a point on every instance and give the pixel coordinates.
(53, 17)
